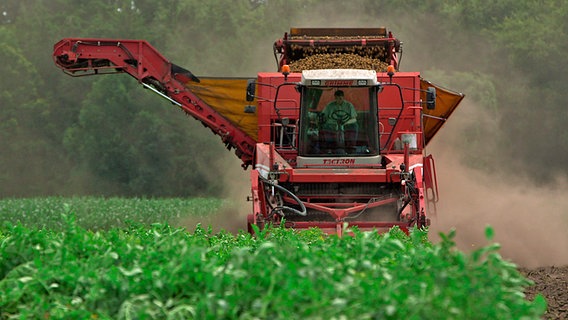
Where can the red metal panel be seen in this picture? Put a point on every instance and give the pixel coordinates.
(269, 110)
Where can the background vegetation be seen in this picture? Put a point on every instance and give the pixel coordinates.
(107, 136)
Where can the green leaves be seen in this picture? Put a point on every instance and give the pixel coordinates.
(57, 213)
(489, 233)
(80, 256)
(160, 272)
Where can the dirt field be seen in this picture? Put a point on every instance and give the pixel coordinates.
(552, 282)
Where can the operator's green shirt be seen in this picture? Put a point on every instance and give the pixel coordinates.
(333, 106)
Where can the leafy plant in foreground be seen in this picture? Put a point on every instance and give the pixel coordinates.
(157, 272)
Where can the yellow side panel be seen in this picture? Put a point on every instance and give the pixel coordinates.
(228, 97)
(446, 102)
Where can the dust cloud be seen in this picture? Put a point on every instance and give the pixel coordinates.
(232, 216)
(530, 221)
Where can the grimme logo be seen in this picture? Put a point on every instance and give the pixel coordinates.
(338, 82)
(338, 161)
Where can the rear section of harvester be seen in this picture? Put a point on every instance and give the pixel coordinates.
(311, 166)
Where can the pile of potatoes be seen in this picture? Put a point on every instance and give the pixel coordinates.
(338, 61)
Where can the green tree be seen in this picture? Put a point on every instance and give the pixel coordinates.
(128, 143)
(507, 56)
(534, 38)
(220, 38)
(27, 155)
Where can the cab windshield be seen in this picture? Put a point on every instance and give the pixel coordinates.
(338, 121)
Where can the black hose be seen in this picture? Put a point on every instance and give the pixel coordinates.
(303, 212)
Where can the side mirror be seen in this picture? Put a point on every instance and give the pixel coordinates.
(431, 98)
(251, 89)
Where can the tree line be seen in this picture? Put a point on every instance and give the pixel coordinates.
(107, 136)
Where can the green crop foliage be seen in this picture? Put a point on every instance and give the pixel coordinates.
(97, 213)
(155, 271)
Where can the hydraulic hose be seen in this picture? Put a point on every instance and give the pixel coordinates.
(303, 212)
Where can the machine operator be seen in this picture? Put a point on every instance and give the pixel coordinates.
(340, 125)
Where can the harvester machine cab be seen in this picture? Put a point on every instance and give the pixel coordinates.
(338, 116)
(338, 88)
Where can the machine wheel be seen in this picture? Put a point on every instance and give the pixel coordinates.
(250, 222)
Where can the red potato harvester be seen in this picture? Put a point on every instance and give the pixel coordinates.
(312, 165)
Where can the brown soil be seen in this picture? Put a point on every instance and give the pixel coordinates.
(552, 283)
